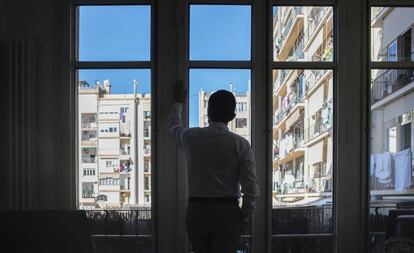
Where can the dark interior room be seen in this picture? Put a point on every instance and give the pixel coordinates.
(207, 126)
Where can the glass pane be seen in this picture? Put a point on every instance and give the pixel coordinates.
(220, 32)
(303, 33)
(114, 33)
(203, 82)
(302, 160)
(114, 108)
(391, 162)
(392, 34)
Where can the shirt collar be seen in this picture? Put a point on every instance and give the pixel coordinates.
(218, 125)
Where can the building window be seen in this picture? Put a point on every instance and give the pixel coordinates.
(241, 123)
(147, 115)
(147, 130)
(147, 186)
(391, 170)
(87, 190)
(89, 172)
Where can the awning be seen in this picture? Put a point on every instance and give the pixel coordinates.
(315, 153)
(315, 101)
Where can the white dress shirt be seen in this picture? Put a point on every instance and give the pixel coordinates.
(218, 161)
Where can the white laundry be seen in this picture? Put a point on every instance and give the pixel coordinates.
(403, 169)
(372, 165)
(383, 164)
(282, 147)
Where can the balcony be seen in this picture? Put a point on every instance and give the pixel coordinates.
(281, 41)
(88, 143)
(314, 78)
(287, 109)
(88, 160)
(314, 23)
(287, 147)
(89, 125)
(88, 194)
(281, 78)
(322, 124)
(325, 51)
(147, 150)
(389, 82)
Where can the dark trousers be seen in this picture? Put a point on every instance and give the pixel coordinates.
(214, 227)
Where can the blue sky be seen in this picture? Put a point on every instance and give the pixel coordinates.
(122, 33)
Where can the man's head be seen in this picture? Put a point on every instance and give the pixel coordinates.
(221, 106)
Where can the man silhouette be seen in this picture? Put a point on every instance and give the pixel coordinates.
(219, 164)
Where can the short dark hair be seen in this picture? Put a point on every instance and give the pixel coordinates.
(221, 106)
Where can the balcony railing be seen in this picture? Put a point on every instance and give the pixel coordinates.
(89, 125)
(280, 79)
(289, 144)
(296, 53)
(286, 108)
(321, 124)
(88, 194)
(389, 82)
(297, 10)
(88, 142)
(313, 22)
(313, 78)
(88, 160)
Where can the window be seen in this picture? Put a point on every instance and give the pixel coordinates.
(302, 136)
(147, 183)
(88, 172)
(392, 51)
(240, 123)
(228, 34)
(220, 40)
(299, 123)
(390, 170)
(113, 69)
(88, 190)
(147, 129)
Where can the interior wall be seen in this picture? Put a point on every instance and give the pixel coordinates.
(40, 21)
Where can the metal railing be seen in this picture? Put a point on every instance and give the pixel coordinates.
(313, 22)
(89, 125)
(283, 113)
(313, 78)
(388, 82)
(280, 79)
(320, 126)
(88, 160)
(121, 222)
(88, 194)
(88, 142)
(297, 10)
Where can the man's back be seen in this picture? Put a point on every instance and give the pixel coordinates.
(220, 165)
(214, 159)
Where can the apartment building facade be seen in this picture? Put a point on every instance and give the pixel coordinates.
(392, 104)
(114, 147)
(302, 107)
(241, 125)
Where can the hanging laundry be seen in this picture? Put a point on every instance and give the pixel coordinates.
(383, 164)
(403, 170)
(372, 165)
(282, 148)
